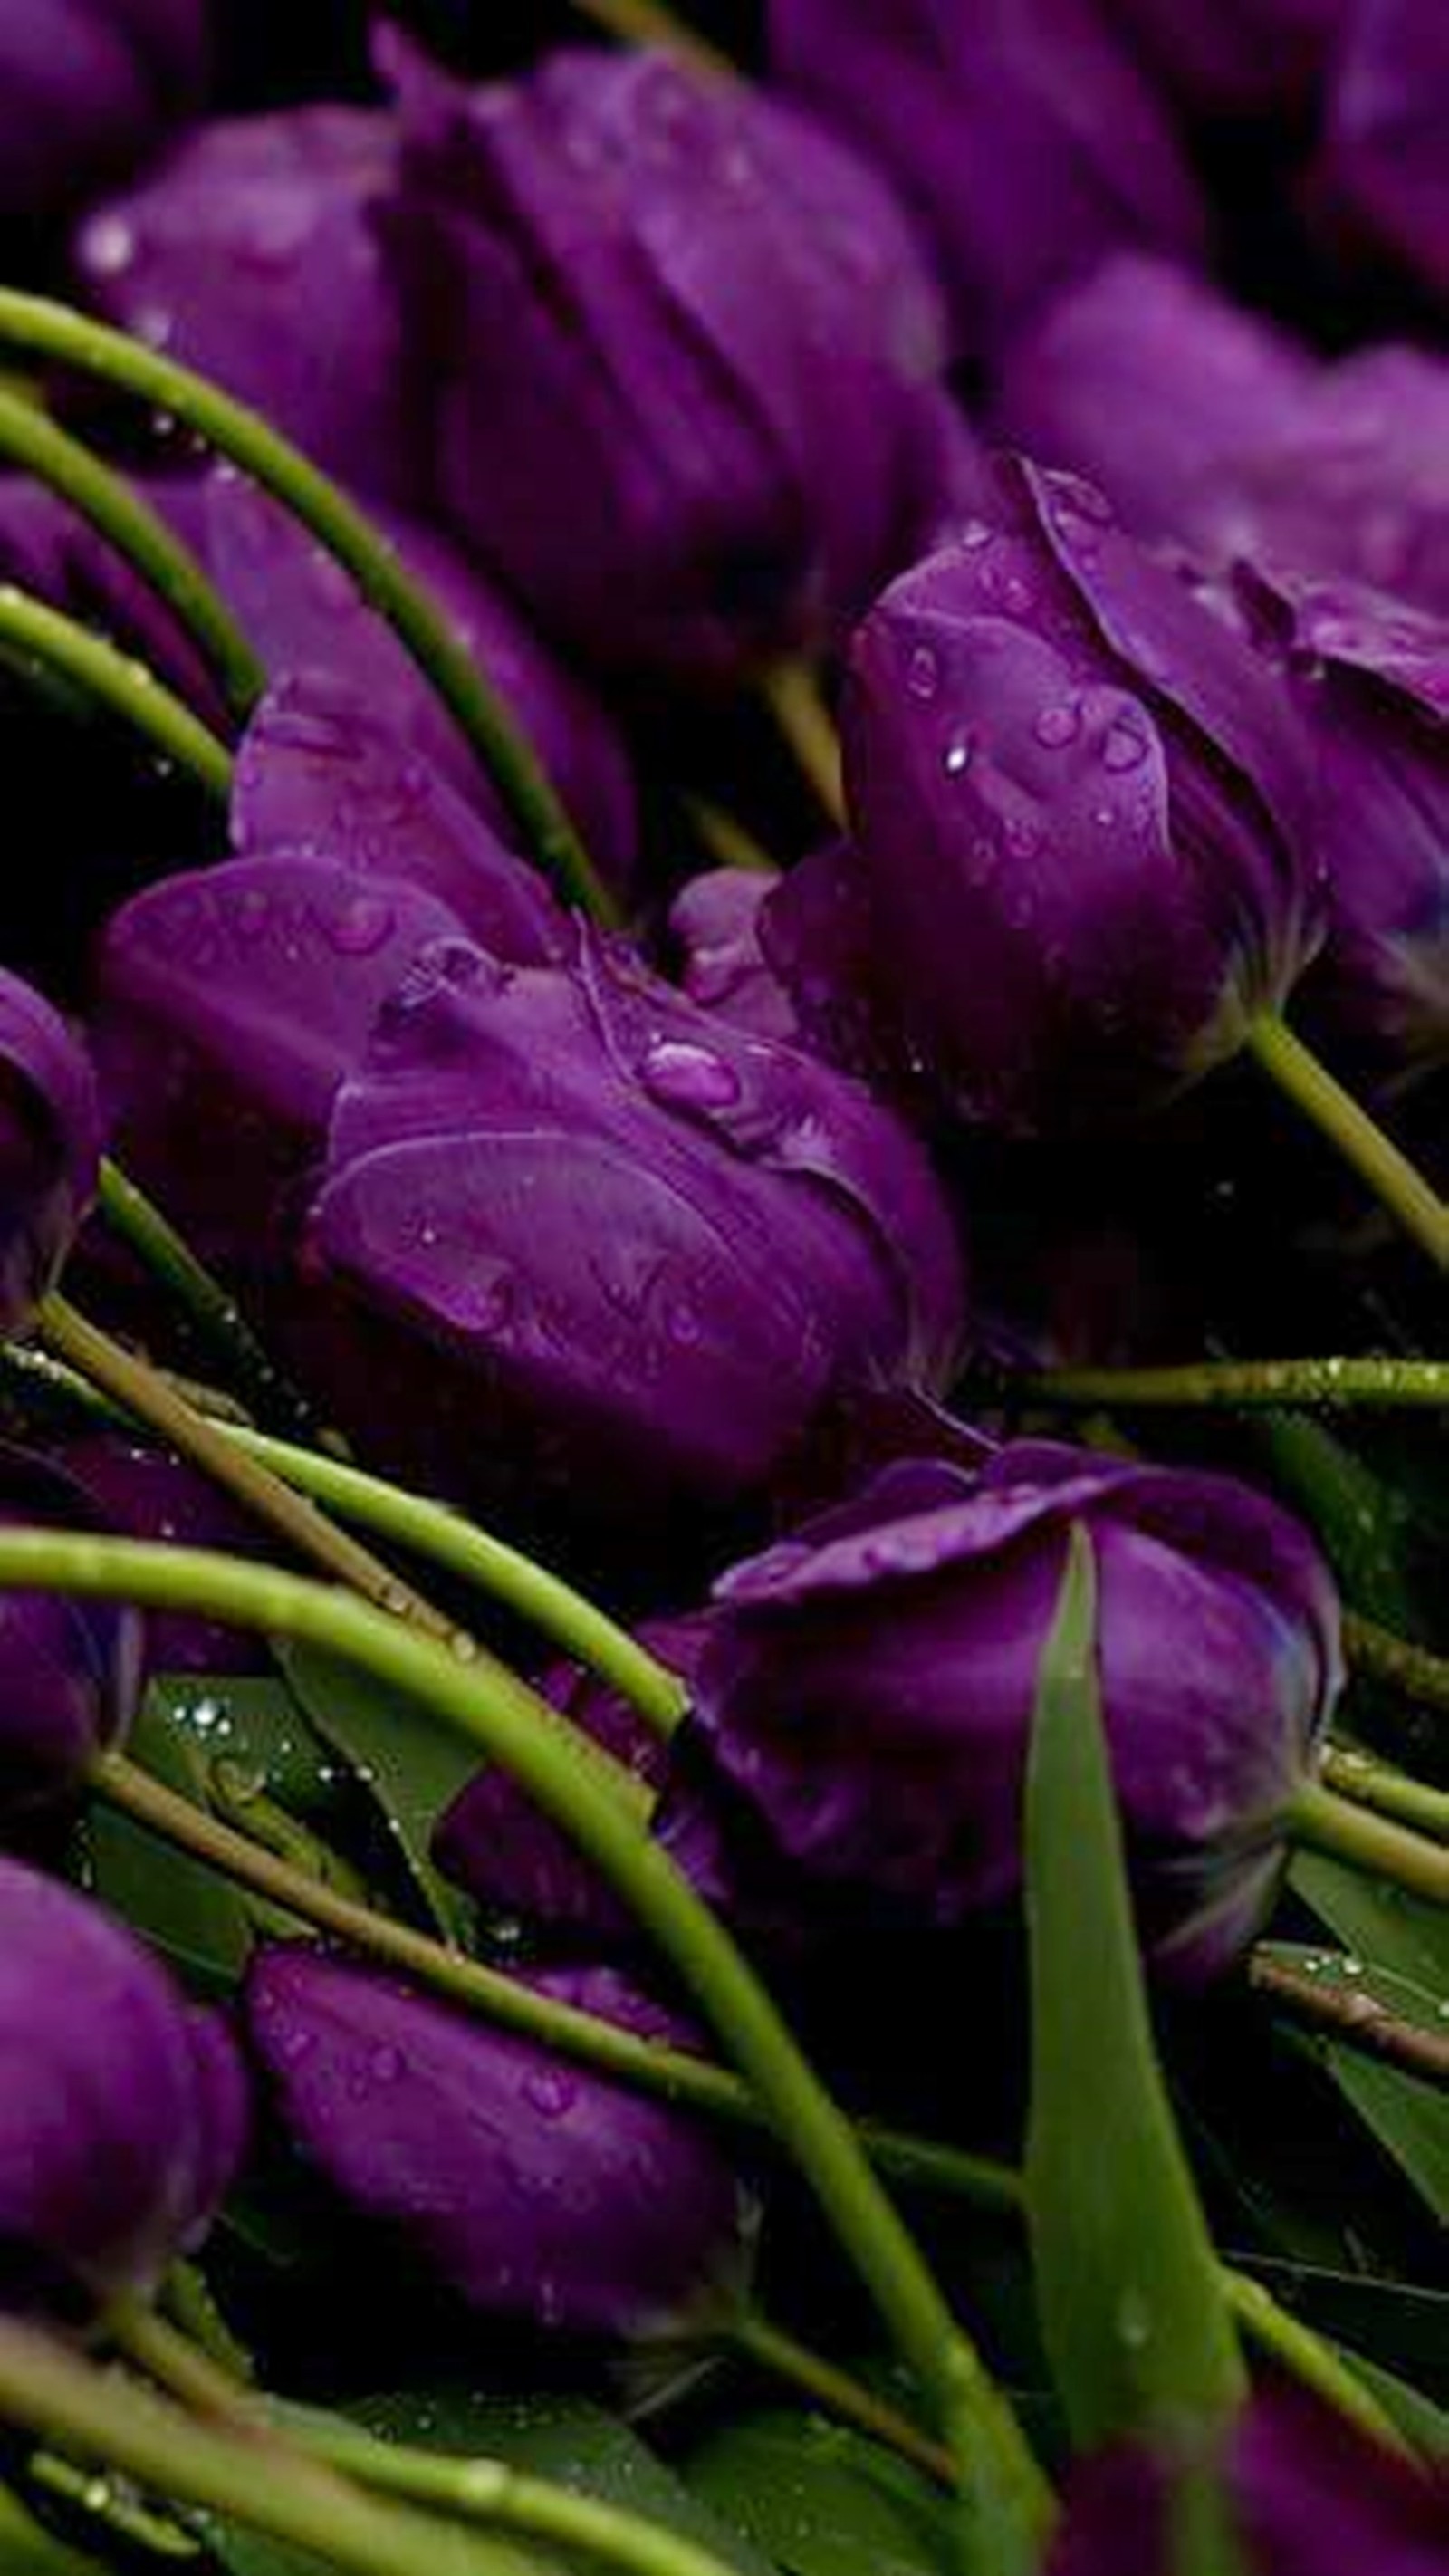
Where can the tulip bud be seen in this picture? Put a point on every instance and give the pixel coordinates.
(87, 88)
(50, 1137)
(1302, 2493)
(870, 1683)
(655, 1249)
(1020, 131)
(532, 2189)
(1082, 808)
(73, 1669)
(250, 254)
(677, 354)
(125, 2109)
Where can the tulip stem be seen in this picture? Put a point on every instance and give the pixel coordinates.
(1372, 1843)
(1344, 2013)
(925, 2165)
(252, 2477)
(214, 1313)
(1242, 1384)
(31, 439)
(1368, 1782)
(34, 637)
(728, 842)
(73, 339)
(1348, 1127)
(1412, 1669)
(778, 2354)
(806, 727)
(648, 22)
(511, 1726)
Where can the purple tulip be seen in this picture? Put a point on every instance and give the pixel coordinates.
(1305, 2496)
(1206, 426)
(1082, 810)
(50, 1140)
(1383, 171)
(304, 615)
(250, 254)
(87, 88)
(714, 926)
(677, 352)
(73, 1669)
(148, 1493)
(1375, 682)
(654, 1251)
(870, 1682)
(1020, 131)
(125, 2109)
(532, 2189)
(1234, 57)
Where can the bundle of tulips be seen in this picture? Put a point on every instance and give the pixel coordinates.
(724, 1014)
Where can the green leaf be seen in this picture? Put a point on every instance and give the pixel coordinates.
(566, 2439)
(1400, 1950)
(255, 1722)
(189, 1912)
(821, 2501)
(1417, 2417)
(413, 1766)
(27, 2550)
(1133, 2313)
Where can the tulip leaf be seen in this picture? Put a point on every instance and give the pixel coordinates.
(411, 1765)
(252, 1721)
(1133, 2312)
(180, 1906)
(27, 2550)
(821, 2501)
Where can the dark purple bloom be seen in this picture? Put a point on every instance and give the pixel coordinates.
(1234, 57)
(250, 254)
(1206, 426)
(714, 926)
(1082, 810)
(125, 2108)
(87, 88)
(1375, 683)
(1305, 2496)
(304, 614)
(1021, 132)
(531, 2188)
(50, 1141)
(870, 1682)
(678, 355)
(654, 1250)
(72, 1668)
(1383, 171)
(148, 1493)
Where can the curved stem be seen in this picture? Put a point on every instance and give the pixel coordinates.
(219, 1322)
(32, 633)
(1340, 2013)
(1367, 1842)
(1354, 1134)
(779, 2355)
(728, 842)
(1304, 2356)
(649, 22)
(1371, 1783)
(512, 1727)
(1243, 1384)
(31, 439)
(806, 727)
(252, 2478)
(1415, 1670)
(72, 339)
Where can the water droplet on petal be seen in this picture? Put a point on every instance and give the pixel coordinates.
(1123, 747)
(108, 246)
(1055, 727)
(687, 1076)
(923, 672)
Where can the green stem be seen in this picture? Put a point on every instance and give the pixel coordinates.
(673, 2075)
(31, 634)
(218, 1321)
(1243, 1384)
(1353, 2015)
(72, 339)
(1411, 1669)
(649, 22)
(240, 1802)
(31, 439)
(250, 2478)
(778, 2354)
(1371, 1783)
(791, 692)
(510, 1726)
(1368, 1842)
(1354, 1134)
(1305, 2356)
(727, 841)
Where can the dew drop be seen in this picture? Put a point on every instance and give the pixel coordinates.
(923, 672)
(957, 760)
(688, 1076)
(108, 246)
(1055, 727)
(1123, 748)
